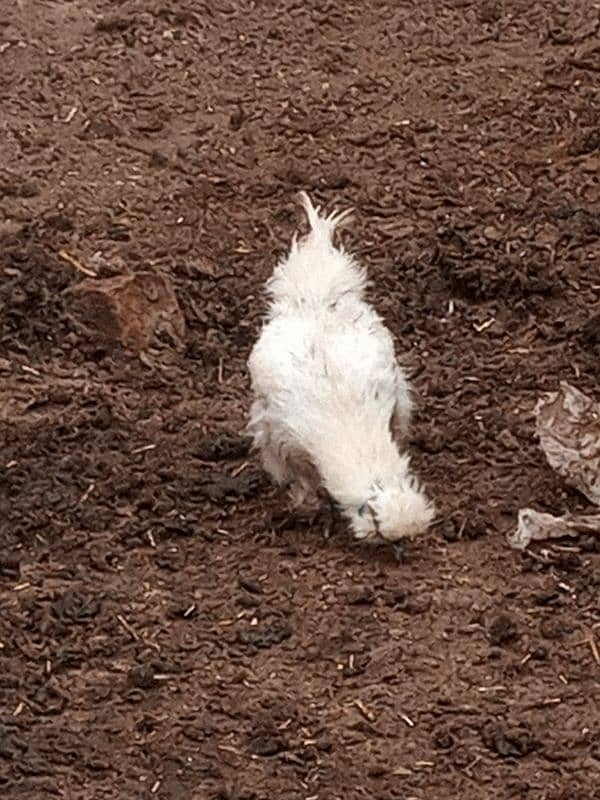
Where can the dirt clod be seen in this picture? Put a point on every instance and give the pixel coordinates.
(508, 742)
(222, 447)
(502, 629)
(266, 636)
(141, 677)
(361, 595)
(10, 565)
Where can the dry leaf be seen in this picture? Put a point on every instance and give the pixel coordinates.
(568, 424)
(537, 526)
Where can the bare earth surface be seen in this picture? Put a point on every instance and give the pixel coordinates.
(167, 629)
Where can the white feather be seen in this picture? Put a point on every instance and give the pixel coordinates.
(330, 400)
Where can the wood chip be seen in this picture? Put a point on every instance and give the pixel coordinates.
(62, 254)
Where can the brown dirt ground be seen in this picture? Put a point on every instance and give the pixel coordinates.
(167, 631)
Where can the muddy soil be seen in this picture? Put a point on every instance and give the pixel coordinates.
(168, 630)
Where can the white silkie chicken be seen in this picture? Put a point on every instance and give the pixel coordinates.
(331, 403)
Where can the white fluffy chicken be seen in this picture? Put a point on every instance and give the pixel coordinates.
(331, 404)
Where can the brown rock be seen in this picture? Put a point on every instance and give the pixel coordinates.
(129, 309)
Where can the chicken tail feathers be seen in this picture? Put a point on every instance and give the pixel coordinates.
(321, 226)
(316, 271)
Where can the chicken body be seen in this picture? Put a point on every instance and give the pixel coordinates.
(331, 403)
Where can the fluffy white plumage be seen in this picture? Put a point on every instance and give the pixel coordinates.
(331, 403)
